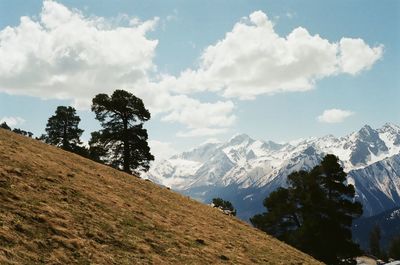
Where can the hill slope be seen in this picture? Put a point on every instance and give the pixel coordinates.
(59, 208)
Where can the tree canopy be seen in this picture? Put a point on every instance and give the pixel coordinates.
(62, 129)
(314, 213)
(122, 143)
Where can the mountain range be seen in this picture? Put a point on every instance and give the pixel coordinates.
(244, 170)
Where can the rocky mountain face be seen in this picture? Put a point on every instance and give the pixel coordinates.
(245, 171)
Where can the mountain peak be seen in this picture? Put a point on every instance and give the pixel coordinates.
(390, 127)
(240, 138)
(366, 132)
(366, 128)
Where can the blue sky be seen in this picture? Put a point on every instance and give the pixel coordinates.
(276, 70)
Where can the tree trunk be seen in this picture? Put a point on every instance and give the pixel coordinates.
(64, 140)
(126, 158)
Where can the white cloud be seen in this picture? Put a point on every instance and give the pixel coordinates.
(66, 55)
(203, 119)
(12, 121)
(252, 59)
(161, 150)
(356, 55)
(334, 115)
(200, 115)
(197, 132)
(194, 114)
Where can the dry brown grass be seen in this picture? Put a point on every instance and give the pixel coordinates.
(59, 208)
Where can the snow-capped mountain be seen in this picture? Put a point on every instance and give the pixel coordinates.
(245, 170)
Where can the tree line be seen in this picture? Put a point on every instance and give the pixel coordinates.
(122, 141)
(5, 126)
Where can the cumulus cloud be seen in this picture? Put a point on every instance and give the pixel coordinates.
(356, 55)
(64, 54)
(209, 118)
(252, 59)
(202, 119)
(12, 121)
(200, 115)
(161, 150)
(334, 115)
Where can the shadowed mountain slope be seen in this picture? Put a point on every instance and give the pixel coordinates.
(59, 208)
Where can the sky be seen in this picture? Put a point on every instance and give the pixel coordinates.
(206, 70)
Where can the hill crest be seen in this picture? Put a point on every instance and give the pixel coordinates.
(60, 208)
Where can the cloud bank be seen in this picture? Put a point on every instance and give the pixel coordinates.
(64, 54)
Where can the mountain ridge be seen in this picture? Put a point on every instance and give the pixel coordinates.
(260, 165)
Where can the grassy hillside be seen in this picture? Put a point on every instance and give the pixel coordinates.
(59, 208)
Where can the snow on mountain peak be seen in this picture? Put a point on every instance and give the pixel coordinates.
(244, 160)
(243, 166)
(390, 127)
(239, 139)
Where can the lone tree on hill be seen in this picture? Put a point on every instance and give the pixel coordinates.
(122, 143)
(315, 213)
(62, 129)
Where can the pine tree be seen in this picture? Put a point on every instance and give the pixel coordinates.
(123, 137)
(62, 129)
(314, 213)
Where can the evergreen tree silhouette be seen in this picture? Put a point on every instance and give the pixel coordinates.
(62, 129)
(122, 143)
(315, 213)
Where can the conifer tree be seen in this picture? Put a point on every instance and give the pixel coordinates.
(123, 138)
(314, 213)
(62, 129)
